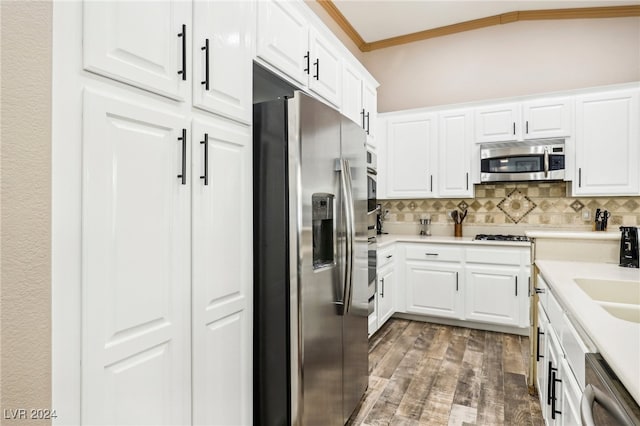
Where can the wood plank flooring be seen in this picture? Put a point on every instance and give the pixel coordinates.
(431, 374)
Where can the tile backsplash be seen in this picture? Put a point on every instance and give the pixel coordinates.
(526, 204)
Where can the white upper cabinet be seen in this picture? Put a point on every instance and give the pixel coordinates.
(607, 144)
(455, 139)
(222, 55)
(283, 39)
(370, 111)
(497, 123)
(359, 101)
(352, 100)
(145, 44)
(410, 153)
(325, 68)
(547, 118)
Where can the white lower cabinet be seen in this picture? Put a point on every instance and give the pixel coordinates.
(434, 289)
(167, 273)
(560, 361)
(492, 294)
(386, 288)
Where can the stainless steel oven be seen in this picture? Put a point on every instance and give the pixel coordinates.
(372, 190)
(522, 161)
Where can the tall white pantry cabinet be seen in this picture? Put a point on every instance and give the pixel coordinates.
(152, 184)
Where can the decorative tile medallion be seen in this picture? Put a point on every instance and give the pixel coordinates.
(577, 206)
(516, 205)
(462, 205)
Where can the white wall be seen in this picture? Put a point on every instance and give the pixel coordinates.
(507, 60)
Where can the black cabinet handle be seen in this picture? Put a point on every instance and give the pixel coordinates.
(307, 59)
(549, 382)
(579, 177)
(382, 293)
(516, 286)
(390, 256)
(183, 175)
(456, 281)
(206, 64)
(317, 65)
(514, 127)
(431, 183)
(205, 142)
(183, 34)
(527, 127)
(467, 181)
(539, 333)
(553, 397)
(362, 114)
(367, 123)
(540, 290)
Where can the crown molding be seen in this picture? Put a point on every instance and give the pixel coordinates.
(504, 18)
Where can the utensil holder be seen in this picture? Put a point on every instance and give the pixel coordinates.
(457, 230)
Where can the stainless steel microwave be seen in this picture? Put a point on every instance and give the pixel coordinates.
(522, 161)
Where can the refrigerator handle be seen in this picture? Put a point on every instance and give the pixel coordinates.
(344, 188)
(351, 230)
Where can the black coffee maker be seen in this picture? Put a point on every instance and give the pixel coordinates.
(629, 247)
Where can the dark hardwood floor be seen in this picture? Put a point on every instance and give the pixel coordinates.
(431, 374)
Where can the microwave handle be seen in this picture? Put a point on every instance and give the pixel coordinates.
(546, 162)
(593, 395)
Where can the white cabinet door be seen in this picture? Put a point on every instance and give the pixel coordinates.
(493, 294)
(497, 123)
(222, 57)
(136, 363)
(386, 289)
(282, 39)
(552, 411)
(410, 155)
(352, 94)
(145, 44)
(455, 130)
(547, 118)
(571, 395)
(607, 148)
(222, 278)
(370, 107)
(434, 289)
(325, 73)
(541, 356)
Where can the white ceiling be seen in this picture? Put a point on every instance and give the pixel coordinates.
(382, 19)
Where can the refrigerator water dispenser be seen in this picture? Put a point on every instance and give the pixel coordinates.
(323, 230)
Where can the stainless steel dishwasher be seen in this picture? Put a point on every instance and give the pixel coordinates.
(605, 400)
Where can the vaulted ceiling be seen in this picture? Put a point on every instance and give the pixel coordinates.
(378, 24)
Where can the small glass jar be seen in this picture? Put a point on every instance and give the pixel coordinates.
(425, 227)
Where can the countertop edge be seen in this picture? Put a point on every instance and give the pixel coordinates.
(573, 235)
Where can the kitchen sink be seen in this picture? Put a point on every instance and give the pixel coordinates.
(613, 291)
(623, 311)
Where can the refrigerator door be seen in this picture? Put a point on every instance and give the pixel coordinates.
(355, 321)
(314, 142)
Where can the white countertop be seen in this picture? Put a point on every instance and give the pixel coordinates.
(617, 340)
(387, 239)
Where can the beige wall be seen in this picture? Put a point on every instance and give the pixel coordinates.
(25, 204)
(507, 60)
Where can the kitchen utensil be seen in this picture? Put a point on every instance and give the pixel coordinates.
(464, 214)
(454, 216)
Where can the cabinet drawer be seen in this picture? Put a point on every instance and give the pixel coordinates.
(385, 257)
(434, 253)
(555, 314)
(575, 349)
(571, 395)
(495, 256)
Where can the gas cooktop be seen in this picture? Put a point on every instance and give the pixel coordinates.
(486, 237)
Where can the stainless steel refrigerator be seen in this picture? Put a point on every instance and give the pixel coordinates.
(310, 264)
